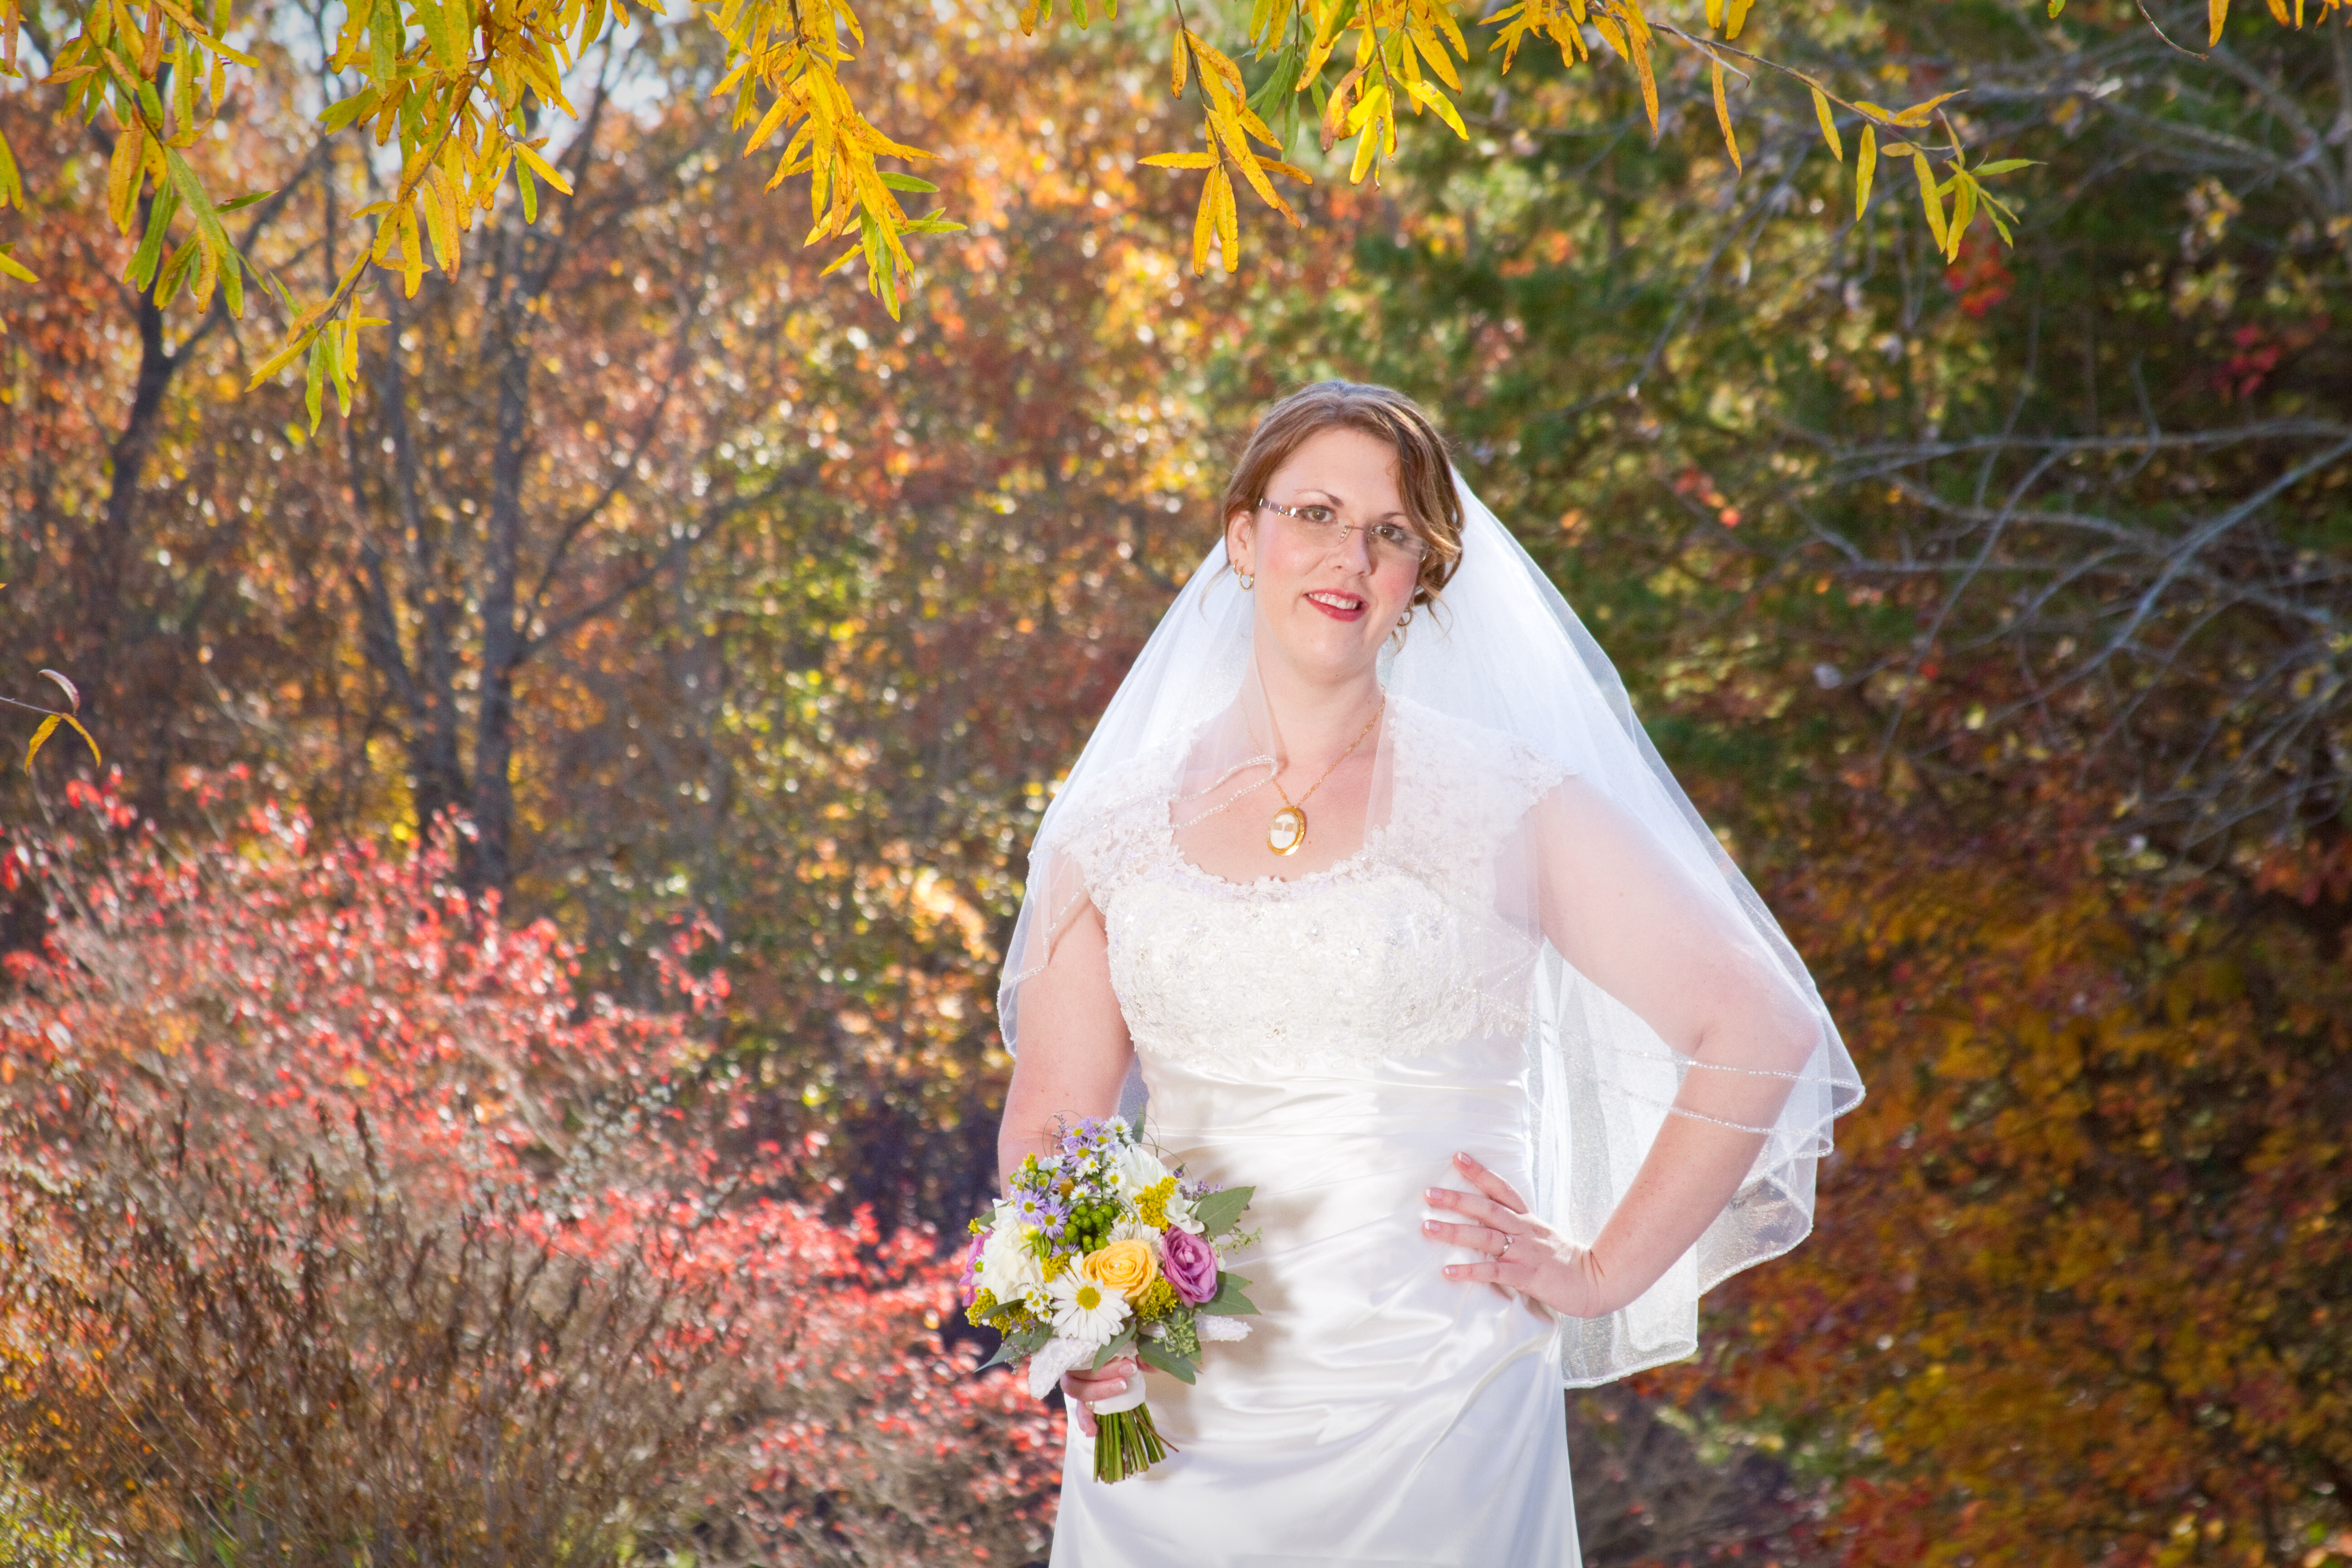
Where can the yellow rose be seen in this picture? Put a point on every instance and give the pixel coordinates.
(1126, 1267)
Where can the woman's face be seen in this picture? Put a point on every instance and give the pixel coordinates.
(1329, 602)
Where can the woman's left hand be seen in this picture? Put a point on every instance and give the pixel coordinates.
(1523, 1253)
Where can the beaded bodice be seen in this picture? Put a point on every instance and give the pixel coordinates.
(1398, 951)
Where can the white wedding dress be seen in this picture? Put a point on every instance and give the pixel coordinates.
(1332, 1040)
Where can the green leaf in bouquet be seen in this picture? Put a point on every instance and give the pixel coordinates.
(1229, 1301)
(1219, 1212)
(1179, 1367)
(1019, 1347)
(1123, 1345)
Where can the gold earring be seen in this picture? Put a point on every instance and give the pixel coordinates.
(1248, 582)
(1405, 620)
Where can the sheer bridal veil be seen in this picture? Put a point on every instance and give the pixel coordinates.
(1503, 654)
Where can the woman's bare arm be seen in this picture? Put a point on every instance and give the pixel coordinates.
(1075, 1054)
(1075, 1051)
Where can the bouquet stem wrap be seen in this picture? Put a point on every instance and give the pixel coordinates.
(1127, 1442)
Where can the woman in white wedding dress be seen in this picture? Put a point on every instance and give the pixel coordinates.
(1372, 873)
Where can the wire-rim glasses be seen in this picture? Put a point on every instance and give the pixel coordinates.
(1385, 543)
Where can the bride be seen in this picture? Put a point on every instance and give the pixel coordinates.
(1372, 873)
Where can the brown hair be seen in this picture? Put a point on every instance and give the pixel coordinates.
(1424, 474)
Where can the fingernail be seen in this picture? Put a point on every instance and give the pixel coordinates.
(1429, 1226)
(1435, 1194)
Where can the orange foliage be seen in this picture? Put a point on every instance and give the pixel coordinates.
(2077, 1295)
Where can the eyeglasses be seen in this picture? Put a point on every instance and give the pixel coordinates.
(1386, 543)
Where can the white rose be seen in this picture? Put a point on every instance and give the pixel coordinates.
(1181, 1217)
(1139, 1168)
(1007, 1267)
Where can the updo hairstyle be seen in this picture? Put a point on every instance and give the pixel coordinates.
(1424, 475)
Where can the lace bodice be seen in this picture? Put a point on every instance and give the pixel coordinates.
(1397, 952)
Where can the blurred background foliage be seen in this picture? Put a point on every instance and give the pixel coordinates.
(1995, 612)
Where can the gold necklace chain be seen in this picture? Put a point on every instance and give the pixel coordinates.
(1287, 832)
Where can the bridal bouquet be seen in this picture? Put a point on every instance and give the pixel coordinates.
(1101, 1251)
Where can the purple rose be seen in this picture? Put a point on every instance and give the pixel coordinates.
(1190, 1264)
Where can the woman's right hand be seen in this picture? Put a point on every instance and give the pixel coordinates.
(1109, 1382)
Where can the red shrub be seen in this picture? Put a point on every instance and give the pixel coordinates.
(334, 1094)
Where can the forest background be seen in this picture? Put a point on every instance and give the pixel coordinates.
(1992, 608)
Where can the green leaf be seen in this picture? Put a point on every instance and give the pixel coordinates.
(1229, 1301)
(899, 182)
(208, 225)
(1219, 1212)
(238, 204)
(150, 253)
(1019, 1347)
(175, 271)
(386, 39)
(314, 384)
(2005, 165)
(530, 189)
(1122, 1345)
(12, 267)
(343, 111)
(1181, 1368)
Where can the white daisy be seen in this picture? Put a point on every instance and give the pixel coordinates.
(1084, 1312)
(1133, 1230)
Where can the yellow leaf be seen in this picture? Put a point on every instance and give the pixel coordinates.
(1179, 161)
(1928, 199)
(1178, 68)
(1738, 18)
(1715, 13)
(1723, 117)
(122, 171)
(286, 355)
(1423, 93)
(1203, 226)
(2216, 13)
(778, 113)
(412, 252)
(96, 756)
(2278, 13)
(1865, 166)
(440, 202)
(1228, 221)
(1829, 125)
(1365, 146)
(542, 167)
(1918, 114)
(1439, 60)
(40, 738)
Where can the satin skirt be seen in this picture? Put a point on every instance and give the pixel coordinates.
(1378, 1413)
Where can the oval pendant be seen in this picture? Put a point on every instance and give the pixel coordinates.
(1287, 832)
